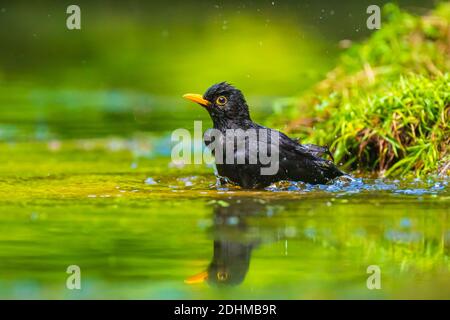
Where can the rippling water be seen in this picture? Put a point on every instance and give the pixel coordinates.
(350, 185)
(139, 228)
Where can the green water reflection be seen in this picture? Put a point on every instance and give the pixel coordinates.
(134, 239)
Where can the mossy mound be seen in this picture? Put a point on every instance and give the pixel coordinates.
(386, 106)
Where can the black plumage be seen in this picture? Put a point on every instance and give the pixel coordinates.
(296, 162)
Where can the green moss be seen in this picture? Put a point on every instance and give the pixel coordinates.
(386, 106)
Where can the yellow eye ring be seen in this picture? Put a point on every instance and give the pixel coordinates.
(221, 100)
(222, 276)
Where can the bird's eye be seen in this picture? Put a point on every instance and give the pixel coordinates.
(222, 276)
(221, 100)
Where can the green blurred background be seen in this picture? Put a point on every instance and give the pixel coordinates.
(126, 69)
(166, 48)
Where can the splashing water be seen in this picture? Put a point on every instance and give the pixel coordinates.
(348, 185)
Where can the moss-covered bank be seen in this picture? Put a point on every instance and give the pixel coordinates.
(385, 108)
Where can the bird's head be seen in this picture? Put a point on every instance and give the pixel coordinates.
(223, 102)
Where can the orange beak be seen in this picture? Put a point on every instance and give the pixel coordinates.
(198, 278)
(197, 98)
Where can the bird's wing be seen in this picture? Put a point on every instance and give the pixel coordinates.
(318, 151)
(306, 150)
(303, 162)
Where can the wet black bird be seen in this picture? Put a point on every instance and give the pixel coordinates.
(296, 162)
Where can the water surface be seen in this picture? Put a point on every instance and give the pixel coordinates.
(138, 227)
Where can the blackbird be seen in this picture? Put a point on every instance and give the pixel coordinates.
(228, 110)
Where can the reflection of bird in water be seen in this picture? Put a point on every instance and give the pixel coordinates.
(233, 242)
(230, 262)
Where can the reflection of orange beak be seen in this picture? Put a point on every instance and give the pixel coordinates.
(198, 278)
(197, 98)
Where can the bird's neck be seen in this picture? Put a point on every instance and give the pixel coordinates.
(224, 124)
